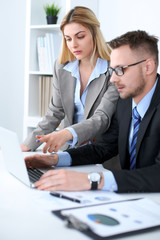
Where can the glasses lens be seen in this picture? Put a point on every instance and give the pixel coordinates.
(119, 71)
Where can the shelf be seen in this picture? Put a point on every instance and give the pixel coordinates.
(38, 73)
(46, 27)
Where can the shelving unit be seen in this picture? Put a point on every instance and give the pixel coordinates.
(36, 26)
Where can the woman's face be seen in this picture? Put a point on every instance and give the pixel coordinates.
(79, 40)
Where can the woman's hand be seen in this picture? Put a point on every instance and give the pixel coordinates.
(54, 140)
(65, 180)
(24, 148)
(41, 161)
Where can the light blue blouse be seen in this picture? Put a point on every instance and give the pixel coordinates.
(79, 101)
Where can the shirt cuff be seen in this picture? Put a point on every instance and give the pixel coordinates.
(64, 159)
(110, 183)
(73, 142)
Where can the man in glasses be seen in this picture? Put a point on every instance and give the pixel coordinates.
(134, 133)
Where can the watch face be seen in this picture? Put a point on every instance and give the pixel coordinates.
(95, 177)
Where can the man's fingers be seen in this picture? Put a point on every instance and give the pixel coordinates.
(49, 180)
(36, 156)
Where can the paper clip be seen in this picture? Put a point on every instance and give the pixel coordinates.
(72, 222)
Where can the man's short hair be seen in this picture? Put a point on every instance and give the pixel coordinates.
(138, 40)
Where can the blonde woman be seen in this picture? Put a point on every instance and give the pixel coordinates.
(83, 100)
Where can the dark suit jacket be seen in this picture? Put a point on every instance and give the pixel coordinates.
(146, 176)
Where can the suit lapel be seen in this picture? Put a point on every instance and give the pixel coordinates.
(124, 129)
(143, 127)
(92, 94)
(147, 118)
(67, 87)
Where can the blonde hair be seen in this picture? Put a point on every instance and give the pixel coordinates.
(87, 18)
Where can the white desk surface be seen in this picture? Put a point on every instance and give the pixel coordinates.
(22, 219)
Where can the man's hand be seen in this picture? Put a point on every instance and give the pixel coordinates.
(54, 140)
(41, 161)
(65, 180)
(54, 180)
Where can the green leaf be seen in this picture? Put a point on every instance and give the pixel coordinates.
(51, 10)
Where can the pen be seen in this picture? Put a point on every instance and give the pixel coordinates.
(55, 194)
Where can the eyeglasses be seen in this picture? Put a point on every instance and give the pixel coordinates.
(119, 71)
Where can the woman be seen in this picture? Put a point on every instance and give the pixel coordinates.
(82, 97)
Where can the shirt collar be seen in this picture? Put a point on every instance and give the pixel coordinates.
(71, 66)
(100, 68)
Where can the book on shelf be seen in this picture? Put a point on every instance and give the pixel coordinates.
(41, 53)
(45, 52)
(45, 93)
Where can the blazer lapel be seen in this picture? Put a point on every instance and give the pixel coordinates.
(146, 120)
(67, 87)
(93, 92)
(124, 130)
(143, 127)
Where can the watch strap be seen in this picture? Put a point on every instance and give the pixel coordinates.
(94, 185)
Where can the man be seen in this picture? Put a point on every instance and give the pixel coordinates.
(136, 137)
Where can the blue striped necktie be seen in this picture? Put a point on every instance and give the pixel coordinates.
(136, 122)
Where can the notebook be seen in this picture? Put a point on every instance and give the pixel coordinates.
(13, 158)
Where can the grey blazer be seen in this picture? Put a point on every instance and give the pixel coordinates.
(100, 105)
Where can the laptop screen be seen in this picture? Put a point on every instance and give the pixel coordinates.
(12, 155)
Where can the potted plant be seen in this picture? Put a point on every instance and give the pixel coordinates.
(52, 13)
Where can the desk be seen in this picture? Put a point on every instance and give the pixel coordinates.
(22, 219)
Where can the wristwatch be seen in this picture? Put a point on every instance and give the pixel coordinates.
(94, 179)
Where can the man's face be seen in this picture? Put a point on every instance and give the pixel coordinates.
(132, 83)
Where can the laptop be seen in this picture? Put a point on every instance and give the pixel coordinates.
(13, 158)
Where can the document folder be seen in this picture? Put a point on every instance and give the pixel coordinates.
(106, 221)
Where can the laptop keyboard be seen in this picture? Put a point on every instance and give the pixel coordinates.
(34, 174)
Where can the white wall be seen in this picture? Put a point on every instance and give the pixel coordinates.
(12, 55)
(120, 16)
(92, 4)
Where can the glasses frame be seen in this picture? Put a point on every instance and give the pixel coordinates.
(110, 70)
